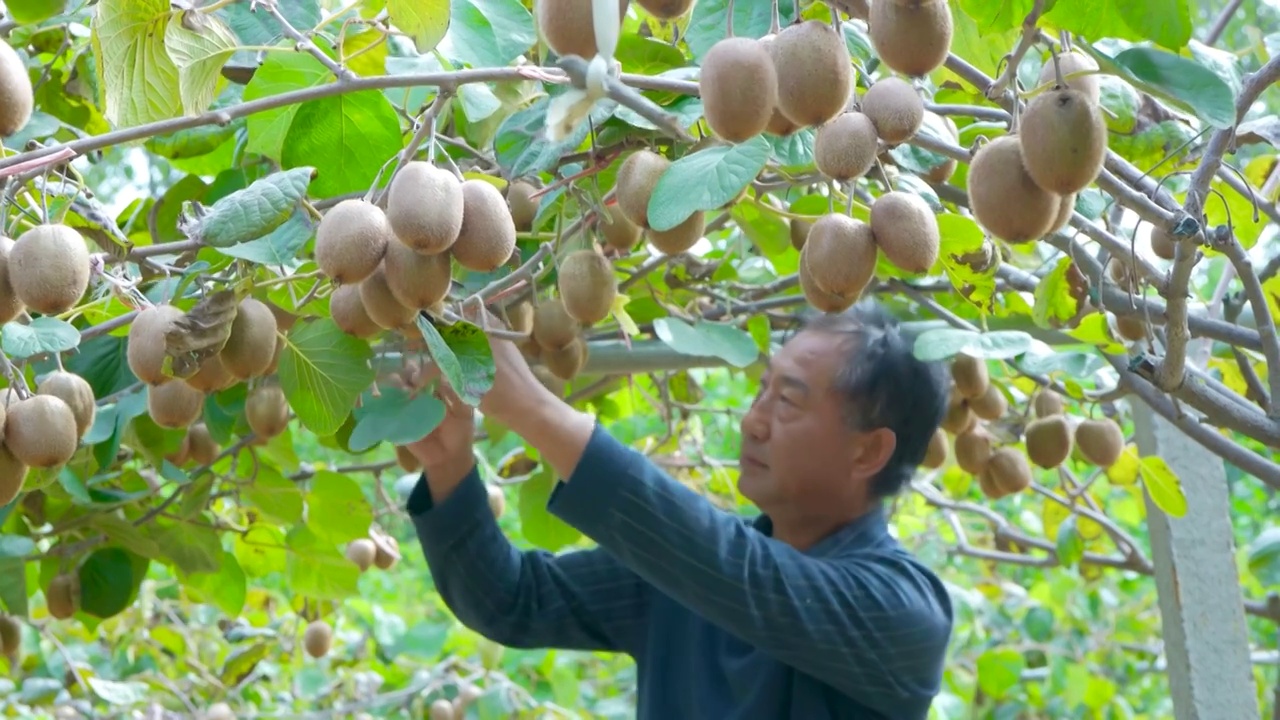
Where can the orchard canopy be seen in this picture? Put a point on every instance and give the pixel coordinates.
(239, 232)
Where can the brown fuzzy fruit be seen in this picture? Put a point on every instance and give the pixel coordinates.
(407, 460)
(416, 280)
(1048, 441)
(13, 474)
(566, 362)
(1064, 140)
(1066, 206)
(958, 417)
(145, 351)
(912, 38)
(76, 393)
(10, 635)
(318, 638)
(41, 431)
(1130, 327)
(212, 376)
(49, 268)
(553, 327)
(381, 304)
(906, 230)
(681, 237)
(973, 450)
(799, 232)
(587, 285)
(17, 96)
(347, 310)
(1003, 197)
(387, 551)
(814, 70)
(219, 711)
(568, 26)
(970, 376)
(990, 405)
(895, 108)
(522, 204)
(252, 341)
(1047, 402)
(739, 88)
(1009, 470)
(1100, 441)
(840, 253)
(62, 597)
(818, 298)
(520, 316)
(1071, 62)
(175, 405)
(666, 9)
(619, 233)
(488, 235)
(361, 551)
(351, 240)
(936, 454)
(845, 148)
(1162, 244)
(267, 411)
(424, 207)
(10, 304)
(637, 177)
(201, 446)
(779, 124)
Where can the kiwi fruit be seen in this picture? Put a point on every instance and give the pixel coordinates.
(666, 9)
(1066, 206)
(970, 376)
(1100, 441)
(958, 417)
(990, 405)
(317, 639)
(488, 234)
(10, 636)
(895, 109)
(553, 384)
(13, 474)
(274, 364)
(212, 376)
(739, 88)
(680, 238)
(814, 70)
(818, 298)
(779, 124)
(799, 232)
(252, 340)
(1122, 273)
(48, 268)
(76, 392)
(1009, 470)
(1070, 62)
(566, 362)
(520, 316)
(63, 596)
(442, 709)
(1130, 327)
(1003, 197)
(522, 205)
(1047, 402)
(424, 207)
(407, 460)
(1162, 244)
(912, 38)
(1063, 138)
(175, 405)
(351, 240)
(942, 172)
(267, 411)
(587, 286)
(17, 96)
(840, 254)
(219, 711)
(497, 500)
(619, 232)
(416, 280)
(1048, 441)
(637, 176)
(10, 304)
(361, 551)
(936, 454)
(568, 26)
(201, 446)
(387, 551)
(906, 231)
(973, 450)
(381, 304)
(41, 431)
(145, 349)
(553, 327)
(348, 313)
(845, 148)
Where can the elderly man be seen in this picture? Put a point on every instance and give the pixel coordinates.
(810, 611)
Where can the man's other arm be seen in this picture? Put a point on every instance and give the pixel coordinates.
(583, 600)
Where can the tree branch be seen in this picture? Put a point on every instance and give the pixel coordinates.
(576, 68)
(1030, 33)
(305, 43)
(426, 129)
(1227, 243)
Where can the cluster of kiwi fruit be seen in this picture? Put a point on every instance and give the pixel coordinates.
(456, 709)
(1022, 186)
(42, 430)
(1049, 439)
(17, 96)
(586, 287)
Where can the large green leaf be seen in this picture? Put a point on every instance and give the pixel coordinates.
(1163, 485)
(983, 51)
(1178, 80)
(256, 27)
(317, 569)
(280, 72)
(14, 550)
(462, 351)
(705, 180)
(999, 671)
(106, 582)
(275, 495)
(946, 343)
(347, 138)
(426, 21)
(228, 588)
(708, 23)
(139, 81)
(994, 16)
(488, 33)
(1054, 302)
(337, 509)
(1165, 22)
(44, 334)
(961, 254)
(280, 247)
(251, 212)
(521, 145)
(322, 372)
(1091, 19)
(536, 524)
(1264, 556)
(394, 416)
(25, 12)
(707, 339)
(261, 550)
(199, 46)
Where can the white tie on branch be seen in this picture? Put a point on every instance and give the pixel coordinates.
(573, 107)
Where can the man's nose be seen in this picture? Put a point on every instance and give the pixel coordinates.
(755, 423)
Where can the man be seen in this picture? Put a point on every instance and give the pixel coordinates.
(811, 611)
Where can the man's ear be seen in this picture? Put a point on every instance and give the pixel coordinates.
(874, 449)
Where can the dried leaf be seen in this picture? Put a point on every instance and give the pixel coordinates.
(201, 333)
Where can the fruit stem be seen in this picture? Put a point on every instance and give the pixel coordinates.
(728, 8)
(773, 26)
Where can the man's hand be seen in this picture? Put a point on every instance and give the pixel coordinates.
(446, 451)
(514, 382)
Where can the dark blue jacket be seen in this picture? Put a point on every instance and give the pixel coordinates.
(724, 622)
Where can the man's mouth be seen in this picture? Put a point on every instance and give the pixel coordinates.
(748, 461)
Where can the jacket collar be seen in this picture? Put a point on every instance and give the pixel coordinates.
(861, 533)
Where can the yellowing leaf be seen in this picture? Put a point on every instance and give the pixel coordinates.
(199, 46)
(620, 314)
(426, 21)
(139, 80)
(1164, 486)
(1125, 470)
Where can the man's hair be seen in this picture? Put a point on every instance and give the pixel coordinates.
(883, 385)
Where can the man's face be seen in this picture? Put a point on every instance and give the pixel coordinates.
(796, 450)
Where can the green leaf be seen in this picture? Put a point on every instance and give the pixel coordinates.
(709, 22)
(1091, 19)
(192, 548)
(14, 550)
(1070, 544)
(139, 80)
(1163, 485)
(1039, 624)
(199, 45)
(241, 661)
(255, 27)
(999, 671)
(227, 589)
(251, 212)
(191, 142)
(707, 339)
(960, 252)
(322, 372)
(106, 582)
(794, 150)
(426, 21)
(993, 16)
(1180, 81)
(488, 33)
(705, 180)
(347, 138)
(317, 569)
(123, 533)
(536, 524)
(1165, 22)
(126, 694)
(396, 417)
(275, 495)
(280, 72)
(1054, 303)
(1264, 556)
(522, 148)
(984, 51)
(647, 55)
(769, 231)
(280, 247)
(27, 12)
(261, 550)
(337, 509)
(945, 343)
(44, 334)
(462, 351)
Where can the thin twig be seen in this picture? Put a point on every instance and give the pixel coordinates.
(426, 129)
(305, 43)
(1030, 33)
